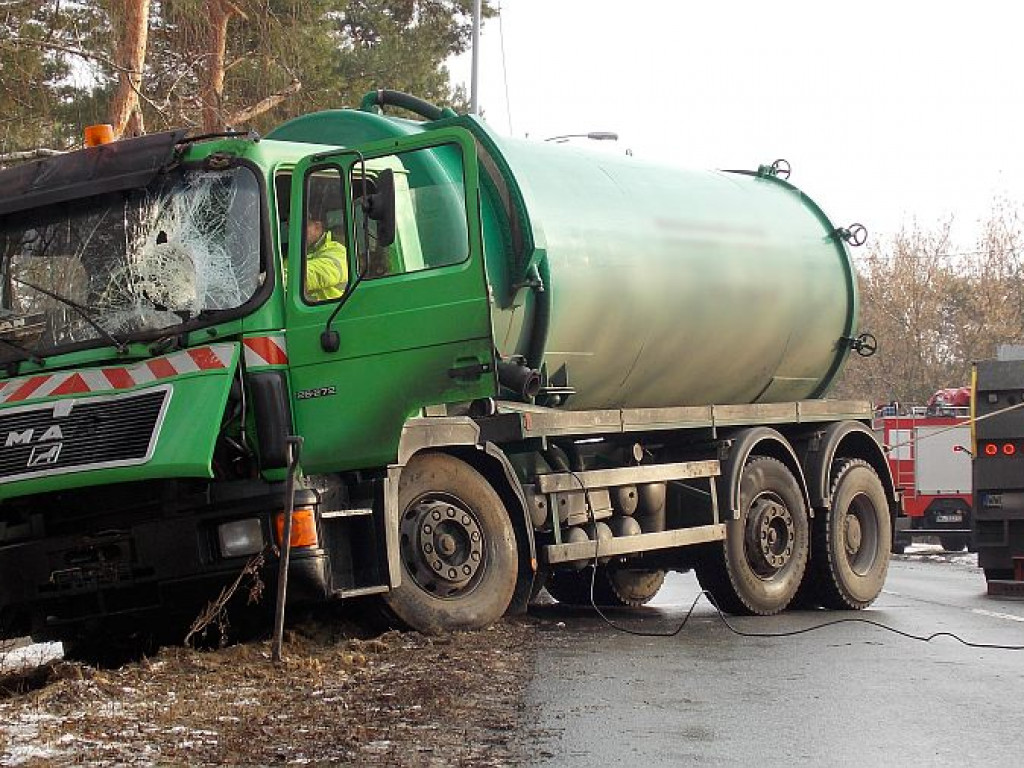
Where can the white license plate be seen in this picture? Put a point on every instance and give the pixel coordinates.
(954, 517)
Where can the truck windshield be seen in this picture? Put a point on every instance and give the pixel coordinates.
(138, 262)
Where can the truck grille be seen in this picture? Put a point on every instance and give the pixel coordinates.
(73, 435)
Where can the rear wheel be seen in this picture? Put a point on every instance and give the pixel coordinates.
(852, 540)
(635, 588)
(613, 587)
(758, 568)
(954, 543)
(572, 587)
(457, 546)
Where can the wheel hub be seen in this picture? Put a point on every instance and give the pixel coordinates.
(771, 533)
(854, 535)
(442, 545)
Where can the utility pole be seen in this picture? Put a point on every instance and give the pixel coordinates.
(474, 98)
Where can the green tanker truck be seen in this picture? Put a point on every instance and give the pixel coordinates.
(532, 360)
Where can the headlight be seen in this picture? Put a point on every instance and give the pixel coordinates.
(241, 537)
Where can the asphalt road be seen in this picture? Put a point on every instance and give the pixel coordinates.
(849, 694)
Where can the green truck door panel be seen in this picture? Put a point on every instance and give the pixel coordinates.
(406, 340)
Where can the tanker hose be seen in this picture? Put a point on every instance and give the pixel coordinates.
(518, 377)
(383, 97)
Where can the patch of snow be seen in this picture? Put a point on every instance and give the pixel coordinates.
(23, 733)
(12, 659)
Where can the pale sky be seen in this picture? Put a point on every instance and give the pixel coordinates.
(888, 111)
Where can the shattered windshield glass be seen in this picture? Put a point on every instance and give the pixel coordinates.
(128, 263)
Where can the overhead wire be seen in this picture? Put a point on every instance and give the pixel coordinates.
(504, 69)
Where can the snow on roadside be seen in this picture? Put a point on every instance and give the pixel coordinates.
(22, 735)
(14, 657)
(935, 553)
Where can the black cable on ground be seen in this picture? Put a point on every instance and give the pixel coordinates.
(742, 633)
(793, 632)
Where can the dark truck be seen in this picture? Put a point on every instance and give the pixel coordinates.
(997, 526)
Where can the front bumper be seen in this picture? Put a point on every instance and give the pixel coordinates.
(155, 570)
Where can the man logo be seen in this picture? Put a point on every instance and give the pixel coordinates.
(25, 437)
(44, 454)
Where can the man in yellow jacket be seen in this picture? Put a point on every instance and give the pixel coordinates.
(326, 263)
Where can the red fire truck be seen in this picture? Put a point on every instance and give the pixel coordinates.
(930, 459)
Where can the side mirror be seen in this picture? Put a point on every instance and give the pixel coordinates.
(380, 207)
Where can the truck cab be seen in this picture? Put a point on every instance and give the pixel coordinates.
(160, 344)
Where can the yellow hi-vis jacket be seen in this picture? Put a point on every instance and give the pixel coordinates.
(326, 270)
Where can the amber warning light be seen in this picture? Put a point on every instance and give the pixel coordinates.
(99, 134)
(303, 527)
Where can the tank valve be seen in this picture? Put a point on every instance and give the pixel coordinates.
(855, 235)
(864, 345)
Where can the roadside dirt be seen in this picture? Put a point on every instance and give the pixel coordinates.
(400, 699)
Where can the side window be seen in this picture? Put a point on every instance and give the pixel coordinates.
(325, 258)
(430, 212)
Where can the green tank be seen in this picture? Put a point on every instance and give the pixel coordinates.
(636, 284)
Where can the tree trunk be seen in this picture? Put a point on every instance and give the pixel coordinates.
(212, 90)
(131, 19)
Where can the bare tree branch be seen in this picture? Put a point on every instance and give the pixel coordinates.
(28, 154)
(52, 46)
(265, 105)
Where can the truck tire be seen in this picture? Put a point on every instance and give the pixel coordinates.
(634, 588)
(613, 587)
(851, 542)
(572, 587)
(457, 548)
(758, 568)
(954, 542)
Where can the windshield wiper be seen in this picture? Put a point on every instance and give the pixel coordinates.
(28, 353)
(119, 345)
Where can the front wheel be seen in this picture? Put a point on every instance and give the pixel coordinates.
(457, 548)
(758, 568)
(851, 540)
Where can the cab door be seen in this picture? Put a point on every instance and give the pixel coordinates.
(412, 325)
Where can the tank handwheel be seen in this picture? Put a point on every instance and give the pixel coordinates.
(457, 548)
(852, 541)
(758, 568)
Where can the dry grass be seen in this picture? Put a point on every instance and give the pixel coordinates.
(398, 699)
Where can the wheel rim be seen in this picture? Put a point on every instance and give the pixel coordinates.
(442, 545)
(860, 534)
(770, 535)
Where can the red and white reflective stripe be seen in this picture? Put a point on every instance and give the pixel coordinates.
(263, 351)
(213, 357)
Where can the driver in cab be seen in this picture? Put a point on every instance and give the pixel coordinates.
(326, 263)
